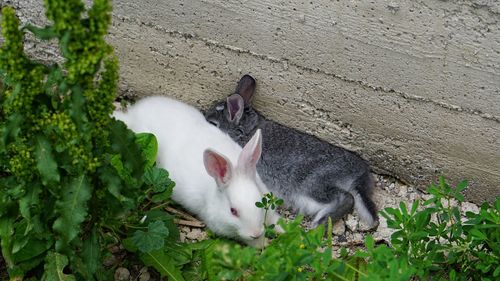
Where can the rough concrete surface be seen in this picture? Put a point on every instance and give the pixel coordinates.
(413, 86)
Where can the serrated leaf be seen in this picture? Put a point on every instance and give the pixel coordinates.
(149, 146)
(72, 209)
(165, 195)
(45, 163)
(54, 266)
(152, 239)
(164, 264)
(157, 178)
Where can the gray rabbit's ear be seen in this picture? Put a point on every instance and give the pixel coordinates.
(218, 167)
(246, 88)
(235, 106)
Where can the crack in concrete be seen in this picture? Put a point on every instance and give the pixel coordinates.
(287, 63)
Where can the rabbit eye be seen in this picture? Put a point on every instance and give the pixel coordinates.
(234, 212)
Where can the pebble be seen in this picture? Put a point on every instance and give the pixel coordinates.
(110, 261)
(196, 234)
(469, 207)
(122, 274)
(144, 274)
(351, 223)
(339, 228)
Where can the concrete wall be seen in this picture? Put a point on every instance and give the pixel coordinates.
(413, 86)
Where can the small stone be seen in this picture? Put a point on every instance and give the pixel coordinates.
(469, 207)
(383, 232)
(351, 223)
(413, 196)
(194, 234)
(109, 261)
(182, 237)
(403, 191)
(122, 274)
(391, 186)
(358, 237)
(144, 274)
(339, 227)
(114, 249)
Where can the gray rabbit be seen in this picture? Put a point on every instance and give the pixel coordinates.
(312, 176)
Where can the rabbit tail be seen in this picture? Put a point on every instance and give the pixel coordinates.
(361, 190)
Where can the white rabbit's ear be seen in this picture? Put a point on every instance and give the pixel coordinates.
(246, 88)
(251, 154)
(235, 106)
(218, 167)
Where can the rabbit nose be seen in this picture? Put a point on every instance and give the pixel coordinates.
(257, 235)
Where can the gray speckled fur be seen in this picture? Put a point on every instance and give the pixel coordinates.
(299, 167)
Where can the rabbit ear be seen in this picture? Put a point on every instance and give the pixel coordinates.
(217, 166)
(246, 88)
(251, 154)
(235, 106)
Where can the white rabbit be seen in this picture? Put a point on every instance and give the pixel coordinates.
(215, 178)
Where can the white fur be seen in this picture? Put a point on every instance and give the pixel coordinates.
(363, 212)
(183, 137)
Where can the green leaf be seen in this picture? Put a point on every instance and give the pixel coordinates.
(497, 271)
(6, 241)
(91, 251)
(11, 128)
(149, 146)
(478, 234)
(45, 33)
(54, 266)
(461, 186)
(63, 44)
(157, 178)
(153, 239)
(124, 173)
(164, 264)
(72, 209)
(29, 246)
(45, 162)
(76, 106)
(29, 207)
(259, 204)
(369, 242)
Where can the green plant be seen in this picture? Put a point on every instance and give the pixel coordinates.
(70, 175)
(438, 243)
(431, 243)
(269, 201)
